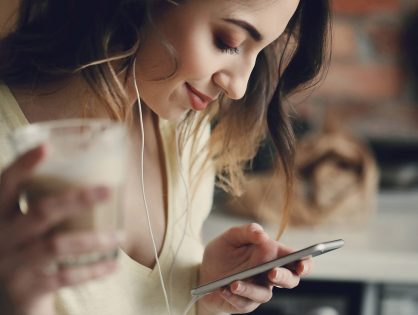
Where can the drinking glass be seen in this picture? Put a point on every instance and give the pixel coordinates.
(79, 153)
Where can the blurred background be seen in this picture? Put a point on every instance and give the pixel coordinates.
(372, 85)
(357, 168)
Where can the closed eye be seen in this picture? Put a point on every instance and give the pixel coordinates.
(225, 48)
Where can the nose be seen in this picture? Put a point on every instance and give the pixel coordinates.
(233, 78)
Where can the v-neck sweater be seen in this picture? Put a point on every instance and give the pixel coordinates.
(135, 289)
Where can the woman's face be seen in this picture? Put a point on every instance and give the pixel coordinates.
(216, 43)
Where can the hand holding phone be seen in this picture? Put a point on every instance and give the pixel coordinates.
(311, 251)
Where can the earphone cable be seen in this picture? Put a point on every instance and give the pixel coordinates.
(143, 192)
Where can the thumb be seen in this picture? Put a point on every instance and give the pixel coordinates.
(252, 233)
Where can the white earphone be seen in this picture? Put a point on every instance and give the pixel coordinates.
(143, 190)
(186, 211)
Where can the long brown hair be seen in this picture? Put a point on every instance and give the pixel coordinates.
(54, 40)
(297, 60)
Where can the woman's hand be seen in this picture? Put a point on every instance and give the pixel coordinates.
(29, 249)
(241, 248)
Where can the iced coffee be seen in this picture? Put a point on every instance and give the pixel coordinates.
(79, 154)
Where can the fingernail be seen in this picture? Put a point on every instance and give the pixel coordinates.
(236, 287)
(255, 227)
(278, 276)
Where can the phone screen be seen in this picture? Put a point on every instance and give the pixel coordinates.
(311, 251)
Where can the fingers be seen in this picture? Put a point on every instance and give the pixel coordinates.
(76, 243)
(61, 248)
(283, 278)
(42, 217)
(13, 175)
(304, 267)
(53, 210)
(246, 296)
(251, 233)
(30, 244)
(252, 291)
(283, 250)
(29, 285)
(31, 267)
(73, 276)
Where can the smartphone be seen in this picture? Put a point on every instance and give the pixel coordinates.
(311, 251)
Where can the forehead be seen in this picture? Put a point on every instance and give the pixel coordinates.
(269, 17)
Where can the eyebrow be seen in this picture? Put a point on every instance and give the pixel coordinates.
(247, 27)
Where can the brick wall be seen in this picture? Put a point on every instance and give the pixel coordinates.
(368, 86)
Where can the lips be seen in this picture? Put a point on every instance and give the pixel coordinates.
(198, 100)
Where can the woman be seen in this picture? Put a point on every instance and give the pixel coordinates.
(194, 64)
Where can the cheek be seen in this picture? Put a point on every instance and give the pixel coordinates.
(154, 60)
(196, 55)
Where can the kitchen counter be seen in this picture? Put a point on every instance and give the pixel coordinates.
(383, 250)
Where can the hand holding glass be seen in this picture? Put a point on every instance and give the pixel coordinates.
(80, 153)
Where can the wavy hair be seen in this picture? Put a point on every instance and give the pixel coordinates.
(54, 40)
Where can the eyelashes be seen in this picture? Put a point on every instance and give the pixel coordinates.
(225, 48)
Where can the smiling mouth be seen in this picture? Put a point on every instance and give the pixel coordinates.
(198, 100)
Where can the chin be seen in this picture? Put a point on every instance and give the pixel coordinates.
(167, 112)
(174, 115)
